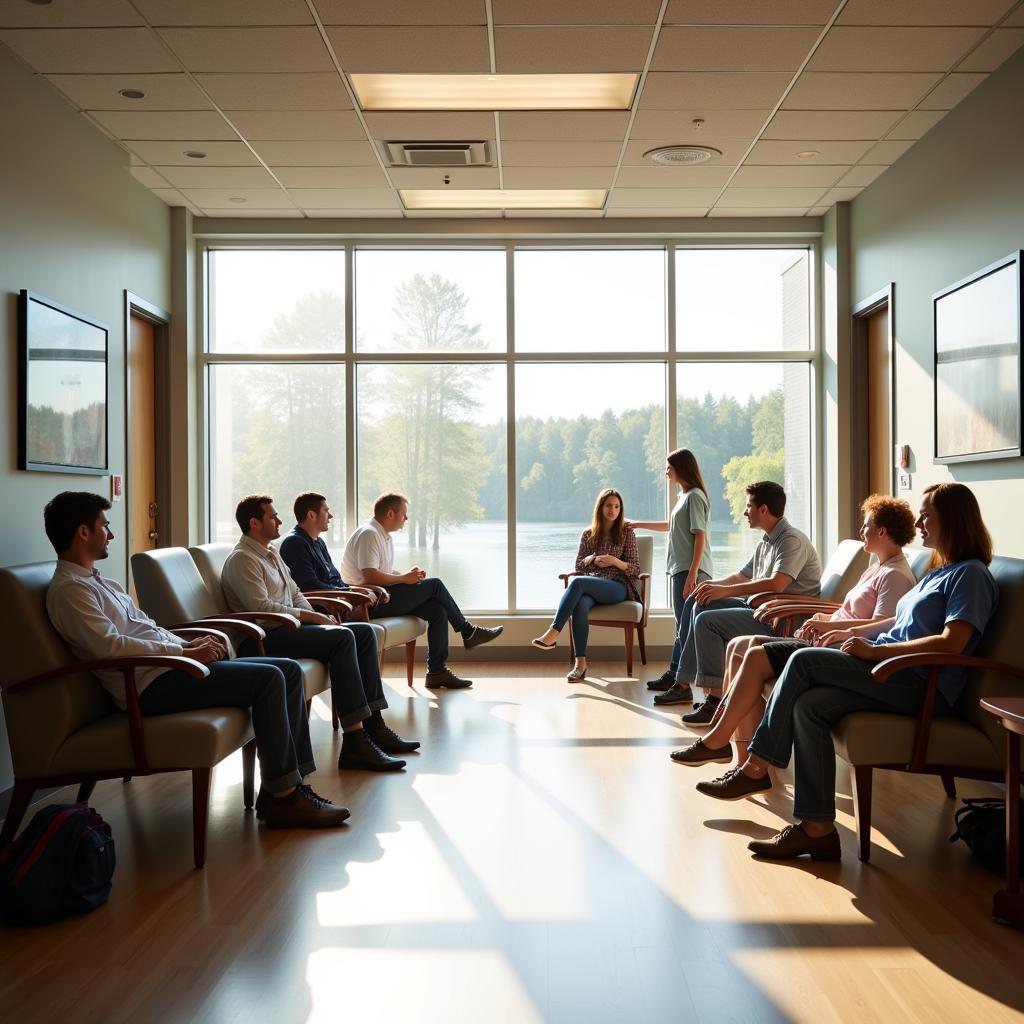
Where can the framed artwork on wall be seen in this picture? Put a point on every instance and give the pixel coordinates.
(977, 374)
(62, 413)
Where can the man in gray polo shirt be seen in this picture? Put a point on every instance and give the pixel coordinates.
(784, 562)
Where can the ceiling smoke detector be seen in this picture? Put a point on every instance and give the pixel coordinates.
(681, 156)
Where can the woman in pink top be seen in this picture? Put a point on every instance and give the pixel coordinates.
(888, 526)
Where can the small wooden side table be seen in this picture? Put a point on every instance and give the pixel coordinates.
(1008, 904)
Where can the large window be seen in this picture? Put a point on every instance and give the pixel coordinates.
(600, 364)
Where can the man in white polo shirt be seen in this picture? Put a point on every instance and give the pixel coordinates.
(369, 560)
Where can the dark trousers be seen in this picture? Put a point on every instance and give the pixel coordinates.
(430, 600)
(272, 687)
(350, 654)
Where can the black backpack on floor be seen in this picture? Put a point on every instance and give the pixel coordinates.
(60, 865)
(981, 824)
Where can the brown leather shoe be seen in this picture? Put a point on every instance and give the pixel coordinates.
(303, 808)
(734, 785)
(794, 842)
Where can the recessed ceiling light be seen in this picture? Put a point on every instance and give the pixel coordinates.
(502, 198)
(808, 154)
(131, 94)
(681, 156)
(237, 199)
(195, 154)
(495, 92)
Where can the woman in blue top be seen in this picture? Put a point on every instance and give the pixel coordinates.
(688, 557)
(947, 612)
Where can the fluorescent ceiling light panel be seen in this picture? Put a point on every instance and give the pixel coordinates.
(502, 198)
(494, 92)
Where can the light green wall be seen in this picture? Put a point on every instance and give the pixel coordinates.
(952, 205)
(77, 228)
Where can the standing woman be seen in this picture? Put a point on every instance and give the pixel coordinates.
(688, 559)
(609, 559)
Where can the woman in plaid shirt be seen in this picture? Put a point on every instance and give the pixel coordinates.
(607, 567)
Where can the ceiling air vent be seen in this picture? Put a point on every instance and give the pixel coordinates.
(677, 156)
(437, 154)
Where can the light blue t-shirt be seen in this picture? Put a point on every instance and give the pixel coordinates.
(689, 516)
(961, 592)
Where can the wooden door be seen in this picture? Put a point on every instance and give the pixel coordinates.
(143, 509)
(879, 381)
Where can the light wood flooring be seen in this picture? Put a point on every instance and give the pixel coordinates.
(540, 860)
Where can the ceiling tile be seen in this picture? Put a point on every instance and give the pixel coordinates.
(317, 154)
(331, 177)
(702, 176)
(862, 176)
(314, 91)
(1017, 18)
(558, 177)
(818, 211)
(732, 151)
(669, 90)
(455, 126)
(84, 13)
(443, 214)
(218, 154)
(555, 154)
(150, 177)
(887, 152)
(165, 124)
(344, 198)
(752, 198)
(689, 198)
(1003, 43)
(768, 211)
(951, 90)
(217, 177)
(839, 195)
(776, 152)
(718, 124)
(892, 49)
(225, 12)
(743, 12)
(575, 12)
(419, 49)
(433, 177)
(283, 48)
(402, 12)
(220, 198)
(560, 214)
(806, 175)
(831, 124)
(100, 92)
(245, 211)
(562, 50)
(352, 214)
(289, 125)
(642, 214)
(732, 48)
(916, 123)
(922, 12)
(824, 90)
(556, 126)
(172, 197)
(89, 51)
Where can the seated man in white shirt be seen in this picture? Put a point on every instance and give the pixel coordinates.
(369, 560)
(255, 578)
(98, 620)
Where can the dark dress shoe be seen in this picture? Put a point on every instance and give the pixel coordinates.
(387, 739)
(675, 694)
(794, 842)
(481, 635)
(703, 712)
(261, 803)
(359, 753)
(734, 785)
(303, 808)
(445, 677)
(663, 682)
(699, 753)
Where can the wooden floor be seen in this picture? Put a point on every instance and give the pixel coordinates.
(541, 860)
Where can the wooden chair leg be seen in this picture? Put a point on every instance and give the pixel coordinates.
(309, 708)
(335, 721)
(21, 797)
(200, 812)
(572, 648)
(862, 780)
(127, 778)
(248, 773)
(410, 659)
(643, 647)
(628, 630)
(85, 791)
(949, 784)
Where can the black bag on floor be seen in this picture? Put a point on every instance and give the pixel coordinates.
(61, 864)
(981, 824)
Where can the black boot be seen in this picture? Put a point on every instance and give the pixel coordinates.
(359, 753)
(386, 738)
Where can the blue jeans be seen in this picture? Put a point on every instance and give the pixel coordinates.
(580, 596)
(430, 600)
(678, 606)
(686, 670)
(819, 687)
(712, 630)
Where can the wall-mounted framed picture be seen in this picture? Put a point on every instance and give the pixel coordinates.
(62, 414)
(978, 365)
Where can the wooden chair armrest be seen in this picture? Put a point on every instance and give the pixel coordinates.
(353, 597)
(247, 629)
(760, 598)
(789, 611)
(191, 631)
(281, 618)
(333, 606)
(884, 669)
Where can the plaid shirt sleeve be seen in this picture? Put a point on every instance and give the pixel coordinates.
(586, 548)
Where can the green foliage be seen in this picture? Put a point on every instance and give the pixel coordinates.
(768, 423)
(746, 469)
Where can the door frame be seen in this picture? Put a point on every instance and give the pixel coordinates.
(884, 298)
(160, 320)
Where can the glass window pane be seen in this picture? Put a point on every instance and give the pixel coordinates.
(430, 300)
(289, 300)
(590, 300)
(735, 300)
(276, 430)
(746, 422)
(581, 428)
(436, 433)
